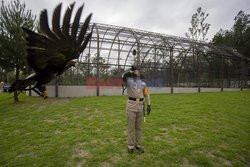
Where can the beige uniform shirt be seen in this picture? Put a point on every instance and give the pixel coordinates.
(136, 88)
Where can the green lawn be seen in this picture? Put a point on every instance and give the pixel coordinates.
(201, 129)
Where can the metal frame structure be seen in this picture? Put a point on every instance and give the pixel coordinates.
(178, 61)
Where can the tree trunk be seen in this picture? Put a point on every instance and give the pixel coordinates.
(17, 77)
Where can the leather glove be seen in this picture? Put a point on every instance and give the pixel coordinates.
(126, 74)
(148, 109)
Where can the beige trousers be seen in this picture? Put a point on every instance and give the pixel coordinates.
(135, 118)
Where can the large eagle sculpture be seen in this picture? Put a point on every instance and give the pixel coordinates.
(52, 51)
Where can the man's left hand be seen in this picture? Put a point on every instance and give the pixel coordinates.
(148, 109)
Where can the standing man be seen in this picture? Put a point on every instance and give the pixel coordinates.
(137, 93)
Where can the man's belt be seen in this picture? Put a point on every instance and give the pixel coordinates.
(134, 99)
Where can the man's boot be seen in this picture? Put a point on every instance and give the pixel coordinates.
(140, 149)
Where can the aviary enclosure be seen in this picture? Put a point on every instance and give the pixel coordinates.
(177, 61)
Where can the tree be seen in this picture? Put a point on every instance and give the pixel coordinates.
(238, 37)
(103, 66)
(199, 28)
(223, 37)
(197, 32)
(14, 16)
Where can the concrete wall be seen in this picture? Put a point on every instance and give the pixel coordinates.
(211, 89)
(230, 89)
(78, 91)
(75, 91)
(160, 90)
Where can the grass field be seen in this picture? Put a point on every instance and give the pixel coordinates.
(205, 129)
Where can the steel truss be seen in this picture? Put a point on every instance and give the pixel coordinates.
(177, 60)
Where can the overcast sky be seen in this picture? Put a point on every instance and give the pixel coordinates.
(164, 16)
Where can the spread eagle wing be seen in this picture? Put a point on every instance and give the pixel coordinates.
(54, 48)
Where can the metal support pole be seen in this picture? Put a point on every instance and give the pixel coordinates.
(228, 77)
(153, 72)
(56, 87)
(241, 74)
(97, 75)
(29, 90)
(138, 54)
(171, 69)
(119, 52)
(98, 57)
(88, 58)
(198, 73)
(222, 74)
